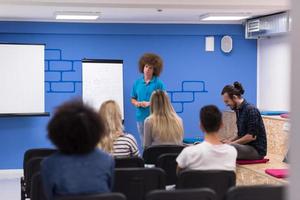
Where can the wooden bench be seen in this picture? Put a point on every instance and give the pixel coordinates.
(277, 140)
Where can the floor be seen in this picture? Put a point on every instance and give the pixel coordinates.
(10, 184)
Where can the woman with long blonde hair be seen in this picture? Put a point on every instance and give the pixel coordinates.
(116, 141)
(163, 126)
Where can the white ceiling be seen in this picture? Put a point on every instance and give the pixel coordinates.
(136, 11)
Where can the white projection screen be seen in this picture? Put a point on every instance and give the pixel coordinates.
(102, 80)
(22, 79)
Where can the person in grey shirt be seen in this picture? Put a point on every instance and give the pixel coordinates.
(163, 126)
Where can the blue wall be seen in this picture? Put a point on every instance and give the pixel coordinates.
(187, 69)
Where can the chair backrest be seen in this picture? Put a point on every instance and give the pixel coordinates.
(32, 167)
(218, 180)
(105, 196)
(135, 183)
(168, 163)
(28, 155)
(185, 194)
(257, 192)
(37, 190)
(151, 153)
(38, 152)
(129, 162)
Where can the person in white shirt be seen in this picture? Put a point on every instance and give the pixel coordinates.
(211, 154)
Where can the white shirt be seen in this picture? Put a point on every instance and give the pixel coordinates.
(206, 156)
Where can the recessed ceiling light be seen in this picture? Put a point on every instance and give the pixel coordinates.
(224, 17)
(76, 16)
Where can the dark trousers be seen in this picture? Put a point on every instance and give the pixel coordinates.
(246, 152)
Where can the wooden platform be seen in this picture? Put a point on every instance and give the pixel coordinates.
(254, 174)
(277, 142)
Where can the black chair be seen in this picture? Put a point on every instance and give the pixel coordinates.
(37, 190)
(256, 192)
(151, 153)
(218, 180)
(135, 183)
(38, 152)
(129, 162)
(28, 155)
(32, 167)
(37, 193)
(106, 196)
(186, 194)
(168, 163)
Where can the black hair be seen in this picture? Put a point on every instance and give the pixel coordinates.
(210, 118)
(235, 89)
(75, 128)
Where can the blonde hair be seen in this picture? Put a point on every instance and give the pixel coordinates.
(166, 124)
(110, 112)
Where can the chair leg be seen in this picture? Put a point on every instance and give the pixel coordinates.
(22, 184)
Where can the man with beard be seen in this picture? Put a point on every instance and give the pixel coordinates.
(251, 142)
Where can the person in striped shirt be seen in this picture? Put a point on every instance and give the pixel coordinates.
(116, 142)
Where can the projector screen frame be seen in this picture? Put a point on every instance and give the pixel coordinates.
(43, 114)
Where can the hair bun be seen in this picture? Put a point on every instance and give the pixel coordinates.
(238, 86)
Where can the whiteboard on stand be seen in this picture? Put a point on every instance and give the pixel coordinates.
(102, 80)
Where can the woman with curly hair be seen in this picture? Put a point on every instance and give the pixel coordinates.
(78, 167)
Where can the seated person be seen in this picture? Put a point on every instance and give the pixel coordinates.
(211, 154)
(116, 142)
(251, 140)
(79, 167)
(163, 126)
